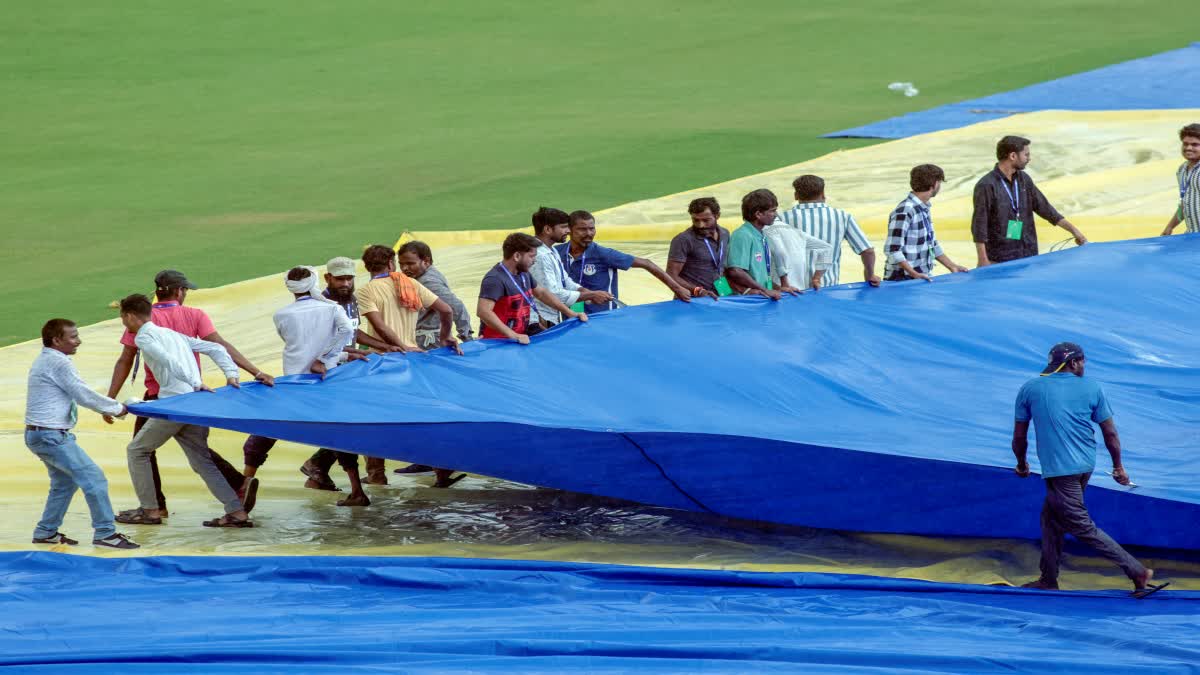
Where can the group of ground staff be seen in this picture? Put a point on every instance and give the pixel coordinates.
(557, 274)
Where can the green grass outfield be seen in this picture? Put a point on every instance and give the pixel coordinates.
(235, 139)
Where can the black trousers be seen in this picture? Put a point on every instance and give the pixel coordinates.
(256, 448)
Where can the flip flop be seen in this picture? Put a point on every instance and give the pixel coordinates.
(137, 517)
(128, 512)
(1151, 589)
(226, 521)
(450, 481)
(249, 494)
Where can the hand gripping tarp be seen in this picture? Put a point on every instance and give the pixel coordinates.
(852, 408)
(416, 615)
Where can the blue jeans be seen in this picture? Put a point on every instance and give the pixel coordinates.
(70, 469)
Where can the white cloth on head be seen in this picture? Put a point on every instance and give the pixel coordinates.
(307, 285)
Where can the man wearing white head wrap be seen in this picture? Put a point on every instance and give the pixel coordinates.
(314, 331)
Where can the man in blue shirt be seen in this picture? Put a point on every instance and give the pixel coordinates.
(1063, 404)
(595, 267)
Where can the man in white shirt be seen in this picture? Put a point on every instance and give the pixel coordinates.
(552, 226)
(315, 332)
(792, 250)
(53, 394)
(171, 356)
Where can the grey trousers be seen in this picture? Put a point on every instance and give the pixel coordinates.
(194, 441)
(1064, 512)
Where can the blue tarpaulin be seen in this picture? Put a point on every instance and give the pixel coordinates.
(1153, 83)
(349, 614)
(852, 408)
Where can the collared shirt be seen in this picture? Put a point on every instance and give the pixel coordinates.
(550, 273)
(190, 321)
(796, 255)
(994, 199)
(54, 389)
(748, 251)
(1187, 178)
(312, 330)
(832, 226)
(172, 355)
(350, 307)
(703, 259)
(910, 237)
(596, 270)
(429, 326)
(1063, 407)
(379, 295)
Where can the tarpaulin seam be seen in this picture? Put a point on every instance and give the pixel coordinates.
(665, 475)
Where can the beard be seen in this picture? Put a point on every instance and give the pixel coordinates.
(342, 296)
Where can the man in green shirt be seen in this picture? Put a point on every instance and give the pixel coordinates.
(748, 267)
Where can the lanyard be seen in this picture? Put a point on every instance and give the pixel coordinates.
(307, 297)
(720, 253)
(164, 305)
(1014, 199)
(1185, 182)
(382, 276)
(766, 252)
(582, 263)
(514, 280)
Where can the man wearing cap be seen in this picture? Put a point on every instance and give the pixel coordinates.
(339, 287)
(1063, 405)
(170, 291)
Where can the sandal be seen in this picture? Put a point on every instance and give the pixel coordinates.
(129, 512)
(226, 521)
(137, 516)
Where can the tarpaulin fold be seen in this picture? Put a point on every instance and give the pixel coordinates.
(348, 614)
(1150, 83)
(851, 408)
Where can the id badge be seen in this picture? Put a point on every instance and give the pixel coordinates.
(723, 287)
(577, 307)
(1014, 229)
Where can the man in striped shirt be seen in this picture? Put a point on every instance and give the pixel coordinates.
(816, 218)
(1187, 177)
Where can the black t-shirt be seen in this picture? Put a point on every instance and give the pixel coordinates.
(512, 294)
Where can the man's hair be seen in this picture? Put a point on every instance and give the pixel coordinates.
(580, 216)
(1192, 130)
(136, 305)
(547, 217)
(1010, 144)
(417, 248)
(164, 293)
(377, 257)
(519, 242)
(55, 328)
(298, 273)
(925, 176)
(808, 187)
(761, 199)
(702, 204)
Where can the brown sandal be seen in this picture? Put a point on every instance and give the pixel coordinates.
(226, 521)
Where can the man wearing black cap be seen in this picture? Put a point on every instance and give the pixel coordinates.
(1063, 404)
(170, 291)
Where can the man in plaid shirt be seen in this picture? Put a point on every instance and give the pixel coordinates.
(911, 246)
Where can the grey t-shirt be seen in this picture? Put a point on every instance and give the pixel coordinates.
(703, 259)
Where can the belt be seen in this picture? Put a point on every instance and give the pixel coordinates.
(34, 427)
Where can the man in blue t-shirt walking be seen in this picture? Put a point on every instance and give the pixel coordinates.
(1063, 404)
